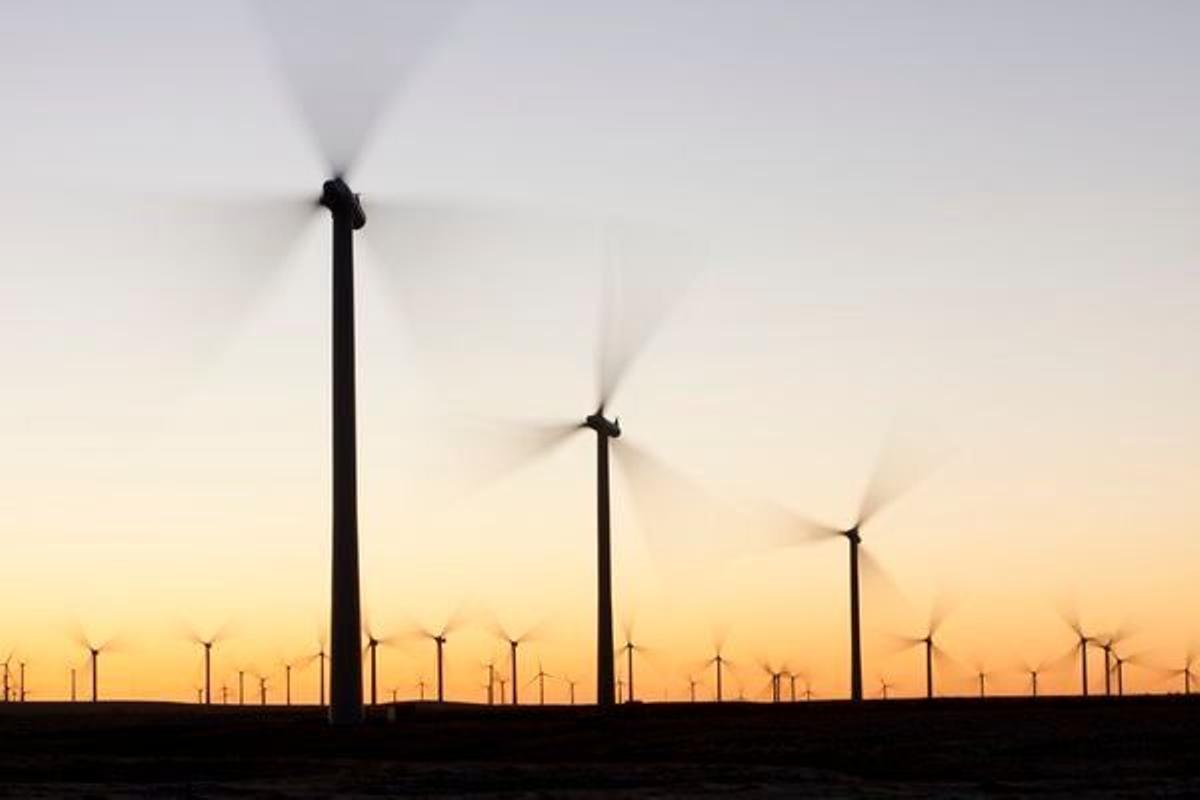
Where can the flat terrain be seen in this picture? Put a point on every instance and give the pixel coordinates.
(1134, 747)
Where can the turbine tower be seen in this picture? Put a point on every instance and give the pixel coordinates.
(345, 655)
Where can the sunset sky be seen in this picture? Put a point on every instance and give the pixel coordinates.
(969, 229)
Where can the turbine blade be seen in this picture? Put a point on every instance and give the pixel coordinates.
(899, 467)
(490, 451)
(879, 581)
(943, 607)
(342, 67)
(897, 643)
(647, 272)
(771, 525)
(684, 525)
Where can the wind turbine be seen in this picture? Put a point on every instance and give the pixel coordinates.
(94, 651)
(692, 684)
(73, 696)
(21, 668)
(884, 687)
(1119, 663)
(342, 79)
(629, 648)
(241, 687)
(1106, 644)
(937, 617)
(513, 643)
(1187, 672)
(1082, 642)
(719, 661)
(287, 683)
(372, 647)
(775, 676)
(421, 686)
(7, 662)
(262, 689)
(620, 343)
(439, 640)
(207, 644)
(540, 677)
(888, 482)
(320, 656)
(981, 675)
(490, 665)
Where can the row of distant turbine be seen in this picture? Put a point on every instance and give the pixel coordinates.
(781, 681)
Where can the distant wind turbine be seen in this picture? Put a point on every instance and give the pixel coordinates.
(94, 651)
(629, 648)
(438, 636)
(719, 661)
(372, 648)
(540, 677)
(932, 652)
(1082, 642)
(207, 644)
(692, 684)
(1187, 671)
(513, 643)
(889, 481)
(1106, 645)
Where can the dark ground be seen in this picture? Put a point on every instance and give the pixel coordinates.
(1134, 747)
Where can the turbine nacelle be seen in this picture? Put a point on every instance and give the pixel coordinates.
(602, 425)
(853, 535)
(340, 200)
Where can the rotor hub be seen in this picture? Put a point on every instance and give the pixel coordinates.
(604, 426)
(340, 200)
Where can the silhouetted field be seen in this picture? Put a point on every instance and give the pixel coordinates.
(1130, 746)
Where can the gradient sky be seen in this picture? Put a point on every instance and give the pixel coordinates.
(973, 223)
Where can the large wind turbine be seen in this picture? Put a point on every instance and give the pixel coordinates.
(343, 66)
(888, 482)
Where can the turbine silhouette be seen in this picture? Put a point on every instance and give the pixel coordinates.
(372, 648)
(439, 640)
(513, 643)
(1082, 641)
(629, 648)
(927, 642)
(719, 662)
(207, 644)
(540, 678)
(889, 481)
(94, 650)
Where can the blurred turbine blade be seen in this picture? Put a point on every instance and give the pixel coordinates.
(897, 643)
(879, 581)
(647, 272)
(900, 466)
(342, 64)
(771, 525)
(943, 607)
(683, 523)
(491, 450)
